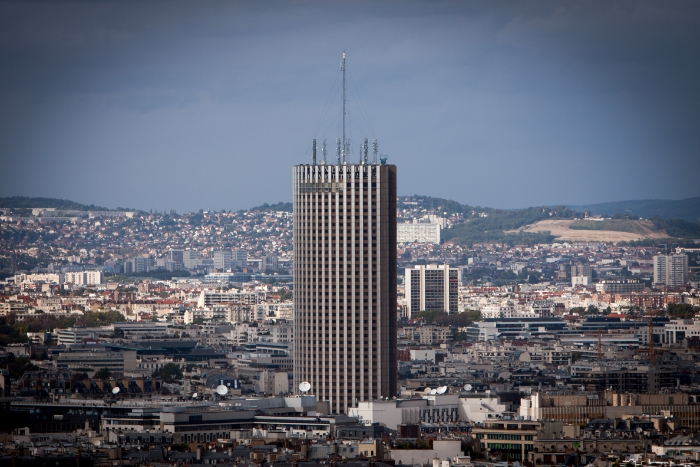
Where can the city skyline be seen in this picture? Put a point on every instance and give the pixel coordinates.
(534, 104)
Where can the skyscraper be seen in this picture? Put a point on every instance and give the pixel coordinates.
(345, 281)
(671, 270)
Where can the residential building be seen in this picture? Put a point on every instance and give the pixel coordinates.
(432, 287)
(421, 233)
(581, 274)
(671, 270)
(619, 286)
(345, 282)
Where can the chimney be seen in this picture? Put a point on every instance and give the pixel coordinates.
(199, 453)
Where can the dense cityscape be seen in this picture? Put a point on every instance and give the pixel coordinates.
(474, 243)
(127, 334)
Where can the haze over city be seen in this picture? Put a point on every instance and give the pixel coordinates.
(177, 105)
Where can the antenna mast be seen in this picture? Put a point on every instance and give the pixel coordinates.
(323, 151)
(314, 150)
(344, 152)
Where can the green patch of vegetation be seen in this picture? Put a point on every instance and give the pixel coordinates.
(615, 225)
(17, 366)
(678, 228)
(62, 204)
(281, 206)
(103, 373)
(169, 372)
(682, 310)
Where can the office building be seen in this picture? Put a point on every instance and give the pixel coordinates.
(345, 282)
(191, 258)
(432, 287)
(239, 258)
(222, 260)
(269, 263)
(671, 270)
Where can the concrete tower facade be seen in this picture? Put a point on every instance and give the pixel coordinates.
(345, 282)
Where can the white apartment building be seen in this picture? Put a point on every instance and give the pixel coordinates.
(209, 297)
(432, 287)
(671, 270)
(84, 278)
(421, 233)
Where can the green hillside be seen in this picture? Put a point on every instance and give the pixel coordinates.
(25, 202)
(685, 209)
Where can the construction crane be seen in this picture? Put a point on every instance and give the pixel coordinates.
(650, 349)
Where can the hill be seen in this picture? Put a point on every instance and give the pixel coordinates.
(25, 202)
(685, 209)
(615, 230)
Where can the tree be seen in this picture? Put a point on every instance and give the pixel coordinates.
(103, 373)
(681, 310)
(169, 372)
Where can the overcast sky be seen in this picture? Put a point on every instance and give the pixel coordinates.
(208, 104)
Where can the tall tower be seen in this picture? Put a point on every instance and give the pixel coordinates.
(345, 281)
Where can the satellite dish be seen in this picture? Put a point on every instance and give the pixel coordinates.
(467, 387)
(194, 396)
(305, 386)
(441, 390)
(433, 392)
(115, 391)
(427, 391)
(221, 390)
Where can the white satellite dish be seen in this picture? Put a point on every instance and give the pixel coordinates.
(221, 390)
(115, 391)
(433, 392)
(468, 387)
(305, 386)
(427, 390)
(194, 396)
(441, 390)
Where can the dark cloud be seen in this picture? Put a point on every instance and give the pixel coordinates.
(209, 104)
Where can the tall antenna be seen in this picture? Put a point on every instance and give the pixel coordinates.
(366, 147)
(346, 151)
(360, 154)
(375, 150)
(344, 143)
(337, 151)
(313, 149)
(323, 151)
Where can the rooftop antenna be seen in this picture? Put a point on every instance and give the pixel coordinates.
(323, 151)
(337, 151)
(344, 143)
(346, 152)
(313, 149)
(361, 154)
(375, 150)
(366, 147)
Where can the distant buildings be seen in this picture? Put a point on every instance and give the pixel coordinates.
(432, 287)
(671, 270)
(581, 274)
(418, 232)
